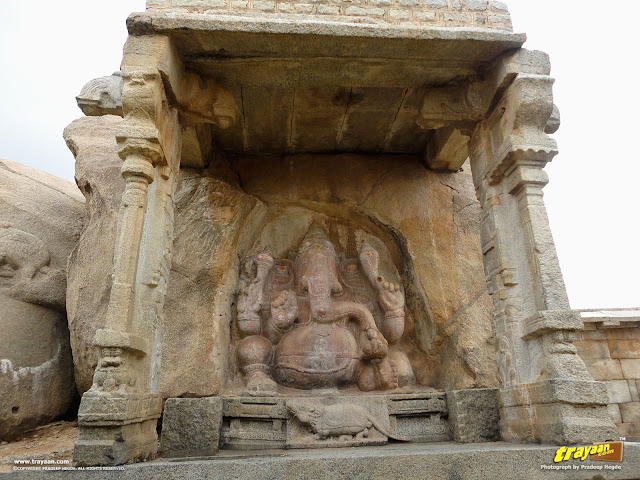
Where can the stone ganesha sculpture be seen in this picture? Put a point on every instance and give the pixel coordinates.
(316, 322)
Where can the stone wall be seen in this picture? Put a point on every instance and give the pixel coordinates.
(443, 13)
(610, 347)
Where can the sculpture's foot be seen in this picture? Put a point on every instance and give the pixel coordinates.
(378, 375)
(260, 384)
(403, 367)
(373, 344)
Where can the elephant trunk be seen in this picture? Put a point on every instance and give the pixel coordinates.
(326, 311)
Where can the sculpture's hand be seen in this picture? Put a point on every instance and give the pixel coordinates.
(391, 297)
(369, 259)
(251, 295)
(284, 309)
(264, 262)
(373, 344)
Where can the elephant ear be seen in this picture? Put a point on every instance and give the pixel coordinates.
(356, 284)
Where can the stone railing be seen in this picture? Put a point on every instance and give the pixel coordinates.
(482, 14)
(610, 347)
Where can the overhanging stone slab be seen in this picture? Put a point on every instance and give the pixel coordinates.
(282, 52)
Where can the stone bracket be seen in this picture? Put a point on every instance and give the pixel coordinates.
(447, 149)
(117, 339)
(551, 320)
(197, 146)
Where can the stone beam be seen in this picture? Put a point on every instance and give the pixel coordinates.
(544, 386)
(197, 146)
(280, 53)
(447, 149)
(455, 111)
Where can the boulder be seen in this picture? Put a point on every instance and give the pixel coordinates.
(42, 218)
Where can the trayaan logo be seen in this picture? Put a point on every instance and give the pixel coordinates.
(608, 451)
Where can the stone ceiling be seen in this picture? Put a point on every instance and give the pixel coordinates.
(305, 87)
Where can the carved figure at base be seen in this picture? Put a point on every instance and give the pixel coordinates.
(344, 421)
(310, 323)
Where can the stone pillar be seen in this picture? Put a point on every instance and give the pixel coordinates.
(546, 394)
(118, 415)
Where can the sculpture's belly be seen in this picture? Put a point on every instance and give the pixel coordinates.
(316, 356)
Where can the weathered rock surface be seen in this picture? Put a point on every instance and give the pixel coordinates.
(427, 221)
(42, 217)
(200, 296)
(93, 143)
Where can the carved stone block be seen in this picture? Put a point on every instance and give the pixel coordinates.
(344, 421)
(191, 427)
(332, 420)
(473, 415)
(254, 423)
(420, 417)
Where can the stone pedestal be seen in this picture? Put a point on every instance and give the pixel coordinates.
(196, 426)
(117, 429)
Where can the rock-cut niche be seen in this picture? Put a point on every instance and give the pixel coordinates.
(328, 312)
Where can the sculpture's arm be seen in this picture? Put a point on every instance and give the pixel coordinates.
(251, 296)
(390, 295)
(284, 311)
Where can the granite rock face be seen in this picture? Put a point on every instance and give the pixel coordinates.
(237, 207)
(42, 217)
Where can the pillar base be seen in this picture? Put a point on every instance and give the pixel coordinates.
(558, 411)
(117, 428)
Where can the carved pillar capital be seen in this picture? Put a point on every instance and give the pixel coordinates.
(141, 92)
